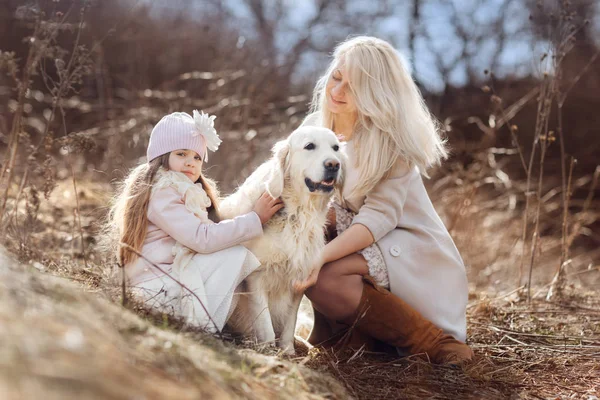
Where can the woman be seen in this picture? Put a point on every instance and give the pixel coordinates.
(395, 239)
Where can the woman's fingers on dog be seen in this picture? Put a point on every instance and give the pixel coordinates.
(301, 286)
(276, 204)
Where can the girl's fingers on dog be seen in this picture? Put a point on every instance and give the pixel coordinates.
(266, 196)
(276, 200)
(273, 210)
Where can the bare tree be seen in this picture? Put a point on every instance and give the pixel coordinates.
(338, 17)
(412, 36)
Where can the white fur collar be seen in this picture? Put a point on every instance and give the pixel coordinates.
(195, 198)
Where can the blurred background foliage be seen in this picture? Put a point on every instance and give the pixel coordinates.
(515, 83)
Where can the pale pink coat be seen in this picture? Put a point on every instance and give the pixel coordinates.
(169, 221)
(191, 267)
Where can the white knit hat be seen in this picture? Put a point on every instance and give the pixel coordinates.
(180, 131)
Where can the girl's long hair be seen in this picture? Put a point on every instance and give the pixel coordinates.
(127, 220)
(393, 121)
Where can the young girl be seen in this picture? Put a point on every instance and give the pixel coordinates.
(168, 211)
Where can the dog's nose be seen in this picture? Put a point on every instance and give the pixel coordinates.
(332, 165)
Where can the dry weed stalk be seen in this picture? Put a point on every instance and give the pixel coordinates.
(543, 138)
(66, 74)
(558, 280)
(551, 96)
(550, 92)
(77, 212)
(562, 42)
(36, 51)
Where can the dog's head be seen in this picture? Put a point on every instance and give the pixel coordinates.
(311, 159)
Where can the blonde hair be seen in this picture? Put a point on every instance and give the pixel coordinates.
(393, 121)
(127, 220)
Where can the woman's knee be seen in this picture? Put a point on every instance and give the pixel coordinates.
(336, 296)
(325, 285)
(354, 264)
(332, 276)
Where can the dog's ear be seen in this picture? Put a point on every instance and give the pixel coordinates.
(280, 166)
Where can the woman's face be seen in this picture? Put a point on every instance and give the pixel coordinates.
(339, 96)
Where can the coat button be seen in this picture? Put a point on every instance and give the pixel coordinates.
(395, 251)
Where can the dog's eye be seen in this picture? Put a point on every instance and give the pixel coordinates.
(310, 146)
(335, 147)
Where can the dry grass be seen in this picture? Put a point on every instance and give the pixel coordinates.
(65, 340)
(483, 209)
(528, 351)
(538, 350)
(59, 342)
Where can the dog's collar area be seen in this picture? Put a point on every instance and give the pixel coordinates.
(314, 186)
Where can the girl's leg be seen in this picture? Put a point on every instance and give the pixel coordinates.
(339, 287)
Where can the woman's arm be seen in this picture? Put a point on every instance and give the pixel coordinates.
(353, 239)
(384, 204)
(379, 215)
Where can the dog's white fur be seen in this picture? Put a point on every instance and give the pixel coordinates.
(293, 238)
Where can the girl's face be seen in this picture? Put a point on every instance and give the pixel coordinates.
(186, 161)
(339, 96)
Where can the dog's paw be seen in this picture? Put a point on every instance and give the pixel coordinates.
(287, 349)
(266, 336)
(289, 352)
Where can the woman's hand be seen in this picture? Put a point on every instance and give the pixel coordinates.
(267, 206)
(301, 286)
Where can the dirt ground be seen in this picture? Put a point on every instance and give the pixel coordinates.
(524, 349)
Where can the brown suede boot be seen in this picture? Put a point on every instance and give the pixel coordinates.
(321, 330)
(329, 334)
(388, 318)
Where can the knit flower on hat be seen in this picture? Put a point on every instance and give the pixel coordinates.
(205, 126)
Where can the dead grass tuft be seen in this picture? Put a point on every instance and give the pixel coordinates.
(61, 342)
(539, 350)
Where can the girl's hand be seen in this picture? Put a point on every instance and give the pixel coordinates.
(267, 206)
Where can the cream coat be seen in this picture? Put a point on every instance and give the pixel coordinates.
(424, 266)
